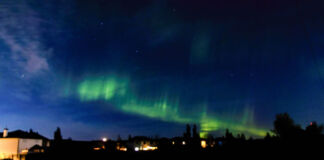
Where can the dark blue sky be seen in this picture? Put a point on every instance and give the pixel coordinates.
(102, 68)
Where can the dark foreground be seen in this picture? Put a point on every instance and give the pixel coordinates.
(289, 141)
(239, 151)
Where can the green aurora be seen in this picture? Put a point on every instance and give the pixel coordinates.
(118, 92)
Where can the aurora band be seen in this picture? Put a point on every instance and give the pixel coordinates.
(117, 91)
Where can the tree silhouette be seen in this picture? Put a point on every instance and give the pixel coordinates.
(268, 136)
(57, 134)
(129, 137)
(228, 135)
(241, 137)
(187, 134)
(285, 127)
(314, 129)
(195, 134)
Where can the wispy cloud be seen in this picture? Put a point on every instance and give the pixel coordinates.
(20, 32)
(24, 55)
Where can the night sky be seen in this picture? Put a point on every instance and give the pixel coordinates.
(99, 68)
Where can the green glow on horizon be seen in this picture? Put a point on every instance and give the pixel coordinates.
(165, 112)
(159, 110)
(117, 91)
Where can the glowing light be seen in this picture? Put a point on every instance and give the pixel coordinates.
(136, 149)
(122, 149)
(2, 156)
(149, 148)
(25, 151)
(104, 139)
(96, 148)
(203, 144)
(183, 142)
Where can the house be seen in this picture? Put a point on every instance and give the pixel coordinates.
(140, 143)
(16, 144)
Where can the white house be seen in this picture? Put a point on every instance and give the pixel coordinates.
(15, 145)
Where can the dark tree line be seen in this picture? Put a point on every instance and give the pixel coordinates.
(285, 128)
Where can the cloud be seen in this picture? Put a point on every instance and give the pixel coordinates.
(21, 33)
(26, 74)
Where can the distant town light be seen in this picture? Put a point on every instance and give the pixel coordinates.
(136, 149)
(149, 148)
(173, 142)
(183, 142)
(96, 148)
(203, 144)
(104, 139)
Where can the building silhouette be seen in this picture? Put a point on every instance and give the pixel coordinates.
(16, 144)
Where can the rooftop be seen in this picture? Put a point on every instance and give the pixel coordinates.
(23, 134)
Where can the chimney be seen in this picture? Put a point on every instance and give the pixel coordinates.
(5, 133)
